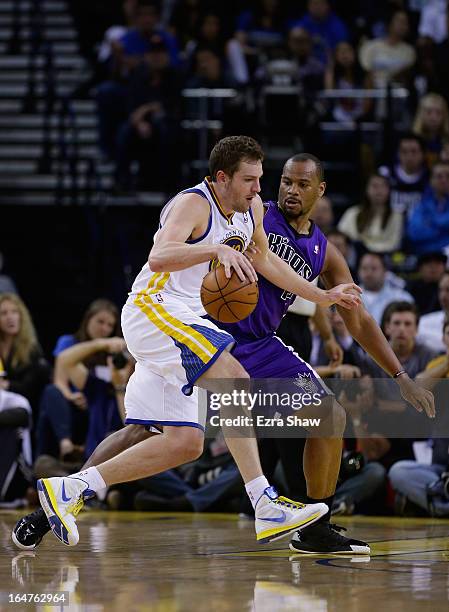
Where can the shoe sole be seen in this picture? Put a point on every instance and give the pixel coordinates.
(366, 551)
(47, 500)
(297, 527)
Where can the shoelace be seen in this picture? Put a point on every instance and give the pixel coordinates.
(288, 503)
(76, 507)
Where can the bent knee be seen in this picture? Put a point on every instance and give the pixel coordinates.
(187, 445)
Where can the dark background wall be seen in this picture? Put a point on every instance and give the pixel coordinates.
(62, 258)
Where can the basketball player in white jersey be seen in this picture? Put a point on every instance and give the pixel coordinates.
(176, 349)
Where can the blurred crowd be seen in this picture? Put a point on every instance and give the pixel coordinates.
(285, 64)
(55, 409)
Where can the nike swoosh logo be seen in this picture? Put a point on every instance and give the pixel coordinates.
(63, 495)
(276, 519)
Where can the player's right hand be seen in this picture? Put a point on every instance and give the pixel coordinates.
(422, 399)
(346, 295)
(230, 258)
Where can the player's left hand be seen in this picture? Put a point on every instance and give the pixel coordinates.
(346, 295)
(417, 396)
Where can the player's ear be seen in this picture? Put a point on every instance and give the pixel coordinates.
(322, 188)
(221, 176)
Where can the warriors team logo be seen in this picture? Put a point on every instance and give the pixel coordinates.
(306, 383)
(238, 243)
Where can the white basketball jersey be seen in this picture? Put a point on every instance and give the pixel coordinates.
(235, 230)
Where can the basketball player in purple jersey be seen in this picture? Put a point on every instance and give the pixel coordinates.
(298, 241)
(303, 246)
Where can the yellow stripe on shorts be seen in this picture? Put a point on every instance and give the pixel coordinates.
(166, 323)
(155, 285)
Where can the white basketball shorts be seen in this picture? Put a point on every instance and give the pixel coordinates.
(173, 347)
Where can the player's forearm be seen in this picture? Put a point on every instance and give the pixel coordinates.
(364, 329)
(174, 256)
(280, 274)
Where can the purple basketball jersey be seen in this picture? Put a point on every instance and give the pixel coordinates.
(305, 253)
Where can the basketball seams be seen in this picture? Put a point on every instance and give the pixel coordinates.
(239, 300)
(226, 296)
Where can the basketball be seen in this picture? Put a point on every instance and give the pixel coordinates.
(228, 300)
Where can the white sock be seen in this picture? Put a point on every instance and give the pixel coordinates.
(255, 489)
(93, 478)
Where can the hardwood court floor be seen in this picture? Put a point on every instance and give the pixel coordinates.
(211, 562)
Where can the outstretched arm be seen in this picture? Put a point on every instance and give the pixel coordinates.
(282, 275)
(364, 329)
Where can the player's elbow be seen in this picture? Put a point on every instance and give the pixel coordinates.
(156, 261)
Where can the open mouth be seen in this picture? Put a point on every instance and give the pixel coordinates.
(292, 202)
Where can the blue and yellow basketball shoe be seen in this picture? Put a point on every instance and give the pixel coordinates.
(61, 499)
(277, 516)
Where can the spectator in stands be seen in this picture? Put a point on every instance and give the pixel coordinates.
(377, 293)
(258, 32)
(63, 420)
(15, 442)
(390, 58)
(103, 388)
(115, 33)
(430, 325)
(326, 29)
(319, 356)
(409, 175)
(361, 485)
(344, 245)
(433, 23)
(208, 71)
(426, 485)
(424, 288)
(344, 72)
(374, 224)
(26, 370)
(128, 53)
(428, 225)
(323, 214)
(150, 133)
(309, 70)
(138, 41)
(261, 27)
(7, 285)
(209, 33)
(391, 416)
(432, 124)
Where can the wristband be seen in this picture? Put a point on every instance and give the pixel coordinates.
(399, 373)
